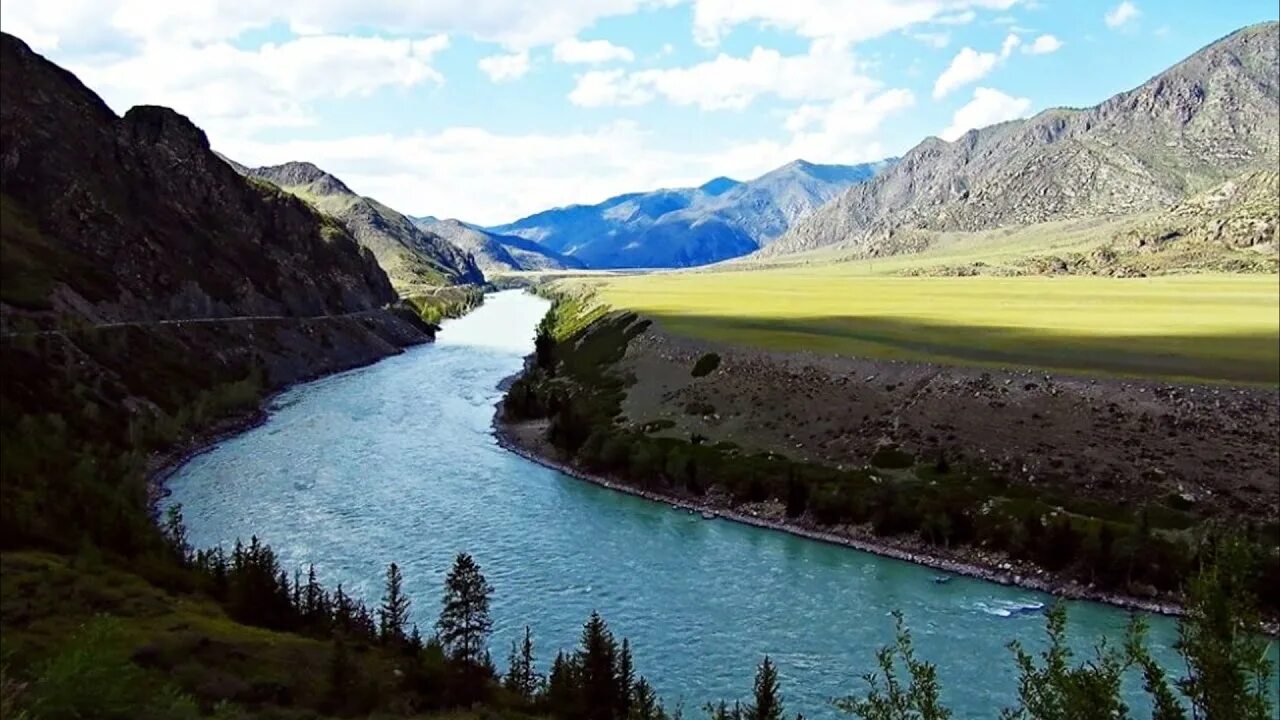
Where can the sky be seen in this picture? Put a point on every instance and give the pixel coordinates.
(489, 110)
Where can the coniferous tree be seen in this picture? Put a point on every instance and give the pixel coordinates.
(625, 678)
(522, 678)
(768, 703)
(415, 645)
(644, 705)
(343, 611)
(563, 691)
(393, 614)
(464, 622)
(175, 532)
(596, 661)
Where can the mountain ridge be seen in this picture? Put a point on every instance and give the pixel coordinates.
(1204, 120)
(680, 227)
(412, 257)
(496, 253)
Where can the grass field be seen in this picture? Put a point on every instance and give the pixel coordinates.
(1196, 327)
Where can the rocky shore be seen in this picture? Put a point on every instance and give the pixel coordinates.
(524, 440)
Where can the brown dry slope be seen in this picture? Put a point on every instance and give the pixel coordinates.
(1209, 448)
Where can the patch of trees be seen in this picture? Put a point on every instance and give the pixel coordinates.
(450, 668)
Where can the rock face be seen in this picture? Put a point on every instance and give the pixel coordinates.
(414, 259)
(494, 252)
(118, 232)
(1208, 119)
(684, 227)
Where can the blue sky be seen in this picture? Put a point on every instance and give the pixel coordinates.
(488, 110)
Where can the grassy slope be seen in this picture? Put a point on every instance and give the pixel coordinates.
(1206, 327)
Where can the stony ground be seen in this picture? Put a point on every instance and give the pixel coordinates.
(1117, 440)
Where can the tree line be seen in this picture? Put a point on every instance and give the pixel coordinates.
(1228, 674)
(950, 503)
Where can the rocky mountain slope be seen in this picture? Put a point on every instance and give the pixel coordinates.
(412, 257)
(1209, 118)
(494, 252)
(683, 227)
(147, 291)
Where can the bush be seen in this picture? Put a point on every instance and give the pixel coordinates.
(706, 364)
(891, 458)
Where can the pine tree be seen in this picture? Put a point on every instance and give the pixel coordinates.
(522, 679)
(343, 612)
(768, 704)
(464, 622)
(562, 692)
(596, 659)
(415, 641)
(311, 597)
(644, 705)
(393, 615)
(625, 678)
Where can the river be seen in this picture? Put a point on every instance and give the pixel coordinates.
(397, 462)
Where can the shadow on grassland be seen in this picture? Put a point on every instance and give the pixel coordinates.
(1237, 358)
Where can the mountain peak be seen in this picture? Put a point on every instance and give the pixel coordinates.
(299, 173)
(719, 185)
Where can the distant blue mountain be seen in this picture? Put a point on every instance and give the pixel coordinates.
(720, 219)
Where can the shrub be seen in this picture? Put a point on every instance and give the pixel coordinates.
(892, 458)
(706, 364)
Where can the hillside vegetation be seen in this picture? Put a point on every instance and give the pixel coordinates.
(412, 257)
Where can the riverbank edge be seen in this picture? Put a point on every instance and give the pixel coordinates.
(163, 464)
(509, 440)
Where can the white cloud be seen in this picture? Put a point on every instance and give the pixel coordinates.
(457, 171)
(969, 66)
(933, 39)
(227, 89)
(602, 88)
(987, 107)
(504, 68)
(80, 25)
(574, 50)
(1121, 14)
(839, 131)
(826, 72)
(1043, 45)
(831, 18)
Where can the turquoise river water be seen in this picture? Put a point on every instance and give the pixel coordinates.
(397, 462)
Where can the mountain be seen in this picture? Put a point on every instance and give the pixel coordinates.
(147, 290)
(412, 257)
(1206, 120)
(683, 227)
(496, 253)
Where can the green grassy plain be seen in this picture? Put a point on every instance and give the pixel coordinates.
(1192, 327)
